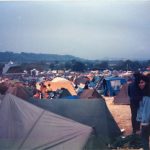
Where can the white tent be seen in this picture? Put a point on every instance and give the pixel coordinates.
(24, 126)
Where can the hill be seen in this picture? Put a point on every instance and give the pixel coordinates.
(32, 57)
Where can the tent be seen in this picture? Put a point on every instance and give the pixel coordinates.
(64, 93)
(112, 85)
(1, 96)
(24, 126)
(72, 97)
(3, 88)
(81, 79)
(0, 99)
(60, 79)
(19, 91)
(58, 84)
(93, 113)
(90, 94)
(122, 97)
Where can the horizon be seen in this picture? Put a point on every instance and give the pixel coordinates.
(103, 59)
(89, 30)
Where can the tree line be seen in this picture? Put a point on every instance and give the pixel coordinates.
(81, 66)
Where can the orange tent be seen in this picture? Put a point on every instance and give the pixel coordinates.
(59, 83)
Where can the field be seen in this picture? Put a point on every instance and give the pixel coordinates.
(121, 114)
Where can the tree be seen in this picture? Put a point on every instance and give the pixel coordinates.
(52, 66)
(68, 65)
(129, 65)
(101, 65)
(78, 66)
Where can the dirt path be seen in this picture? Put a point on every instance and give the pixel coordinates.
(121, 114)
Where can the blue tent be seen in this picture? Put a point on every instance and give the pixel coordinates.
(112, 85)
(72, 97)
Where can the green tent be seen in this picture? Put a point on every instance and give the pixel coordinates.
(24, 126)
(93, 113)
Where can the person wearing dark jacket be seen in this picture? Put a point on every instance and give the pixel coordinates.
(135, 97)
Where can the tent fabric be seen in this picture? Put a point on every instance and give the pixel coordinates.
(19, 91)
(58, 85)
(64, 93)
(1, 97)
(93, 113)
(3, 88)
(71, 97)
(0, 101)
(81, 80)
(111, 78)
(59, 79)
(122, 97)
(90, 94)
(24, 126)
(113, 85)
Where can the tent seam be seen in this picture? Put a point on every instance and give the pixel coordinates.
(31, 129)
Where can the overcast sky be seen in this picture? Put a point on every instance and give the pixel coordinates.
(87, 29)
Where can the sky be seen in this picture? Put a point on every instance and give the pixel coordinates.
(97, 29)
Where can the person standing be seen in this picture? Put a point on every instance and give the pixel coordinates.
(135, 97)
(104, 84)
(143, 114)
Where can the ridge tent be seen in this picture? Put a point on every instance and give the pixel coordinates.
(19, 91)
(24, 126)
(90, 94)
(93, 113)
(122, 97)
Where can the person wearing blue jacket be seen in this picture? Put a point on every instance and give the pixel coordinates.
(143, 114)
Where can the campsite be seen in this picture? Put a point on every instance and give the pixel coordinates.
(75, 75)
(90, 110)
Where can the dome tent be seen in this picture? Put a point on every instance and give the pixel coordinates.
(58, 83)
(60, 79)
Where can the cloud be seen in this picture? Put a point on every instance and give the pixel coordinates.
(86, 29)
